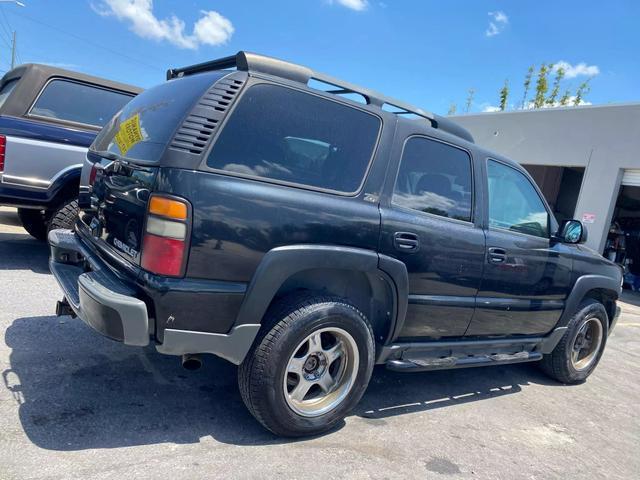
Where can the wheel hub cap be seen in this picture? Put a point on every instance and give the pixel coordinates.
(321, 372)
(586, 344)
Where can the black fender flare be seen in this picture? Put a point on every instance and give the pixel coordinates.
(583, 285)
(281, 263)
(68, 176)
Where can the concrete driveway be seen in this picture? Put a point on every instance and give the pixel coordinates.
(76, 405)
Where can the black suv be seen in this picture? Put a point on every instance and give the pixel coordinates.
(307, 229)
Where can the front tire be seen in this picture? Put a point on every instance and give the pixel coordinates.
(580, 349)
(309, 367)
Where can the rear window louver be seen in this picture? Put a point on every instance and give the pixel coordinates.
(198, 128)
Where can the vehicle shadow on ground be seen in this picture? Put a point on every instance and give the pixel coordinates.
(76, 390)
(20, 251)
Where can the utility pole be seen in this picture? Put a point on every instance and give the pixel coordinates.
(13, 51)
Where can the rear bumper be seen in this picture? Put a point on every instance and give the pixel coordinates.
(115, 307)
(97, 296)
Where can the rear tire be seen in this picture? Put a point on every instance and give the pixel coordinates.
(580, 349)
(34, 222)
(64, 216)
(309, 366)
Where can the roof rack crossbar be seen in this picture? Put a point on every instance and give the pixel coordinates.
(251, 62)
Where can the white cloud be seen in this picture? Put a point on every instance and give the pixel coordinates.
(357, 5)
(498, 21)
(211, 29)
(579, 69)
(569, 103)
(491, 108)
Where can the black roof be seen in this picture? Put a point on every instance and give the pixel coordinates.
(41, 70)
(252, 62)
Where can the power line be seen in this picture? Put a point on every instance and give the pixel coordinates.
(91, 42)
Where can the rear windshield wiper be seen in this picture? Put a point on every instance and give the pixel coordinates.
(129, 162)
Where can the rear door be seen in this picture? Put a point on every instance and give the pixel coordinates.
(429, 222)
(527, 275)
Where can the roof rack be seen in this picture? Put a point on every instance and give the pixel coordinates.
(251, 62)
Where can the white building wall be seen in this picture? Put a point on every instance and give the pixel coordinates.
(604, 140)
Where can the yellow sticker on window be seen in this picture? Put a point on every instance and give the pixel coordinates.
(129, 134)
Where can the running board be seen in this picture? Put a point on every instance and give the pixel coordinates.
(423, 364)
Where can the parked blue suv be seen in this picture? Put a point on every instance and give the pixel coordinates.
(48, 118)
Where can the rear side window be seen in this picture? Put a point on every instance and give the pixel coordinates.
(291, 136)
(6, 90)
(78, 102)
(514, 204)
(434, 178)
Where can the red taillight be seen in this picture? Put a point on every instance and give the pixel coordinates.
(92, 174)
(165, 238)
(162, 255)
(3, 149)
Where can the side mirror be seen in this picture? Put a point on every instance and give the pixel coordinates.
(572, 231)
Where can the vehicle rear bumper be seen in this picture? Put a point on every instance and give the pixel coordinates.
(115, 307)
(99, 297)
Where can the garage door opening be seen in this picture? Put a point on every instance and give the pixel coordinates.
(623, 239)
(560, 186)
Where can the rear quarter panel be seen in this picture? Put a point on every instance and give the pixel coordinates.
(236, 221)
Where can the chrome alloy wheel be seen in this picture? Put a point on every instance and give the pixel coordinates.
(586, 344)
(321, 372)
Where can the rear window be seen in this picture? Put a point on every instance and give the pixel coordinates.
(78, 102)
(290, 136)
(6, 90)
(152, 118)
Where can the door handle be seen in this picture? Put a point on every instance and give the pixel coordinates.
(497, 255)
(406, 242)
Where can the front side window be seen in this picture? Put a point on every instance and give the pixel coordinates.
(78, 102)
(514, 204)
(291, 136)
(434, 178)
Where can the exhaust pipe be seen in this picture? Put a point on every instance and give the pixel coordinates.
(191, 361)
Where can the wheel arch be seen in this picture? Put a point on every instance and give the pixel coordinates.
(65, 187)
(376, 284)
(605, 290)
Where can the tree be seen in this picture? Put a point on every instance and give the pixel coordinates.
(556, 87)
(583, 89)
(527, 84)
(469, 102)
(564, 100)
(504, 95)
(542, 86)
(452, 109)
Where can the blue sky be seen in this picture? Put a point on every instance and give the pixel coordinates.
(426, 52)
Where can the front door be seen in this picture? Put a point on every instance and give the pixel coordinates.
(527, 275)
(428, 223)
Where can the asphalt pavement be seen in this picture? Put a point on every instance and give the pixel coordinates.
(76, 405)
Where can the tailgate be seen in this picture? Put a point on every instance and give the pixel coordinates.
(115, 212)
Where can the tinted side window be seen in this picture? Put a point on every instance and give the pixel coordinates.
(434, 178)
(6, 90)
(514, 204)
(287, 135)
(77, 102)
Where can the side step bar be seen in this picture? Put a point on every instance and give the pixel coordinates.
(423, 364)
(443, 354)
